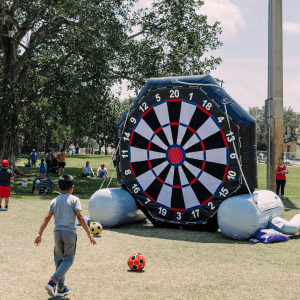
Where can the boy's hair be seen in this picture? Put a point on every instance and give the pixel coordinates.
(62, 150)
(42, 160)
(65, 182)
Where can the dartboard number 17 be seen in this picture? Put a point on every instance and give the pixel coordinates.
(177, 154)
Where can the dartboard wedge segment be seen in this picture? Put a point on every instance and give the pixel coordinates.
(178, 151)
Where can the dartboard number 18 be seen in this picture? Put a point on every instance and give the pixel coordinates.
(177, 155)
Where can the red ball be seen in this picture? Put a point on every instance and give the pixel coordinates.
(136, 261)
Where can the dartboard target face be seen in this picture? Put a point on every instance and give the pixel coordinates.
(177, 156)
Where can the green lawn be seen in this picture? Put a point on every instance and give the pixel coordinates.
(179, 264)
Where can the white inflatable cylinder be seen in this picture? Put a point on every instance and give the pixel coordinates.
(114, 207)
(239, 217)
(286, 227)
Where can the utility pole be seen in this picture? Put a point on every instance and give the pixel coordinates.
(274, 103)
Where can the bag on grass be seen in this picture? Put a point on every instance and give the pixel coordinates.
(270, 236)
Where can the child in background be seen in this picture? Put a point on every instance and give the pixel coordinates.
(43, 168)
(65, 209)
(6, 176)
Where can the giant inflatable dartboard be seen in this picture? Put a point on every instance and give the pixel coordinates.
(176, 152)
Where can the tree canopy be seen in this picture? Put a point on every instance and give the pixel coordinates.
(60, 59)
(291, 123)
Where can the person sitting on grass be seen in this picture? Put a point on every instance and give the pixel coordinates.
(87, 170)
(28, 163)
(102, 172)
(6, 176)
(65, 209)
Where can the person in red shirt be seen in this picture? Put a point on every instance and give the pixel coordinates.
(48, 156)
(280, 171)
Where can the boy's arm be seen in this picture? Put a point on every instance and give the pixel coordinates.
(84, 225)
(38, 238)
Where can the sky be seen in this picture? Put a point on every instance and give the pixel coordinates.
(244, 69)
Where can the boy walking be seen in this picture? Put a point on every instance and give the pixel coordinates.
(6, 176)
(65, 209)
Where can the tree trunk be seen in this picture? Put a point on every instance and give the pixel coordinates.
(99, 143)
(48, 140)
(9, 151)
(87, 147)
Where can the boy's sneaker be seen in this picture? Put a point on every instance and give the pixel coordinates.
(5, 208)
(63, 293)
(50, 287)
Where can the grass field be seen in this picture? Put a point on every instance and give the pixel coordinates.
(179, 264)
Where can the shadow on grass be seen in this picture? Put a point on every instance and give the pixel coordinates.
(289, 205)
(137, 272)
(294, 237)
(64, 298)
(145, 230)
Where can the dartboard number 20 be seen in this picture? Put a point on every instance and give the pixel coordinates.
(177, 155)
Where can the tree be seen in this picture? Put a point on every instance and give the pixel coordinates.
(291, 122)
(261, 130)
(72, 52)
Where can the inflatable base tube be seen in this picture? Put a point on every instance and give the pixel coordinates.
(239, 217)
(114, 207)
(286, 227)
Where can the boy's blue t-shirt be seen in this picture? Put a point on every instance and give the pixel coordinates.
(63, 208)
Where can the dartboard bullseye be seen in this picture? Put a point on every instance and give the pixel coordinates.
(177, 154)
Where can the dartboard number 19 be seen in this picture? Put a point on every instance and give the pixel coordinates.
(177, 155)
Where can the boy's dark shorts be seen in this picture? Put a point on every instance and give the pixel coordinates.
(61, 164)
(5, 191)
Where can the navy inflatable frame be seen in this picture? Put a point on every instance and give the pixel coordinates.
(242, 118)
